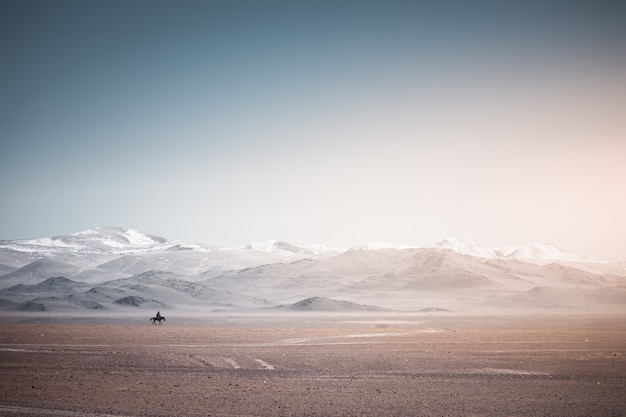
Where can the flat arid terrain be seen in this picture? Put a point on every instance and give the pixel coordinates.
(315, 366)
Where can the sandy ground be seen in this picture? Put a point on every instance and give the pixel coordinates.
(431, 367)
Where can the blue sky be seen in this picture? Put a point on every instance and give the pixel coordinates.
(341, 123)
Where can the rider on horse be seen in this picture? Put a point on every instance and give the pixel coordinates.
(158, 318)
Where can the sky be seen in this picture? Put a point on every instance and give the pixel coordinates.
(332, 122)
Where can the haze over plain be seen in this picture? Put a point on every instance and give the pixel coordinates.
(340, 123)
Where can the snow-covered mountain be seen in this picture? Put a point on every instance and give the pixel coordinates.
(289, 249)
(466, 247)
(543, 252)
(539, 252)
(99, 239)
(111, 269)
(119, 241)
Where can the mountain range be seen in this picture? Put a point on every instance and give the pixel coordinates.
(114, 269)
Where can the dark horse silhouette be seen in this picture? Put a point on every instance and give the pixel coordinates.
(157, 318)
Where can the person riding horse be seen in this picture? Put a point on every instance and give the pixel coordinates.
(158, 318)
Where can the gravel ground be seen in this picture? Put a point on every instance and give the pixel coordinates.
(469, 367)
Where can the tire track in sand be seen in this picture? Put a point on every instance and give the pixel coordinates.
(225, 362)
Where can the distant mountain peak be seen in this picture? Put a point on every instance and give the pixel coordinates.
(466, 247)
(543, 251)
(284, 248)
(117, 237)
(278, 247)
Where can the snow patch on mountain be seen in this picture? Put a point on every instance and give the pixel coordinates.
(466, 247)
(277, 247)
(283, 248)
(49, 242)
(114, 240)
(118, 237)
(531, 252)
(543, 252)
(325, 249)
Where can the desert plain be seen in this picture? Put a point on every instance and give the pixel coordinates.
(318, 365)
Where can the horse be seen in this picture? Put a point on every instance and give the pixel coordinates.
(158, 318)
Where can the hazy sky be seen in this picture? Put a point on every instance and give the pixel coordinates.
(339, 122)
